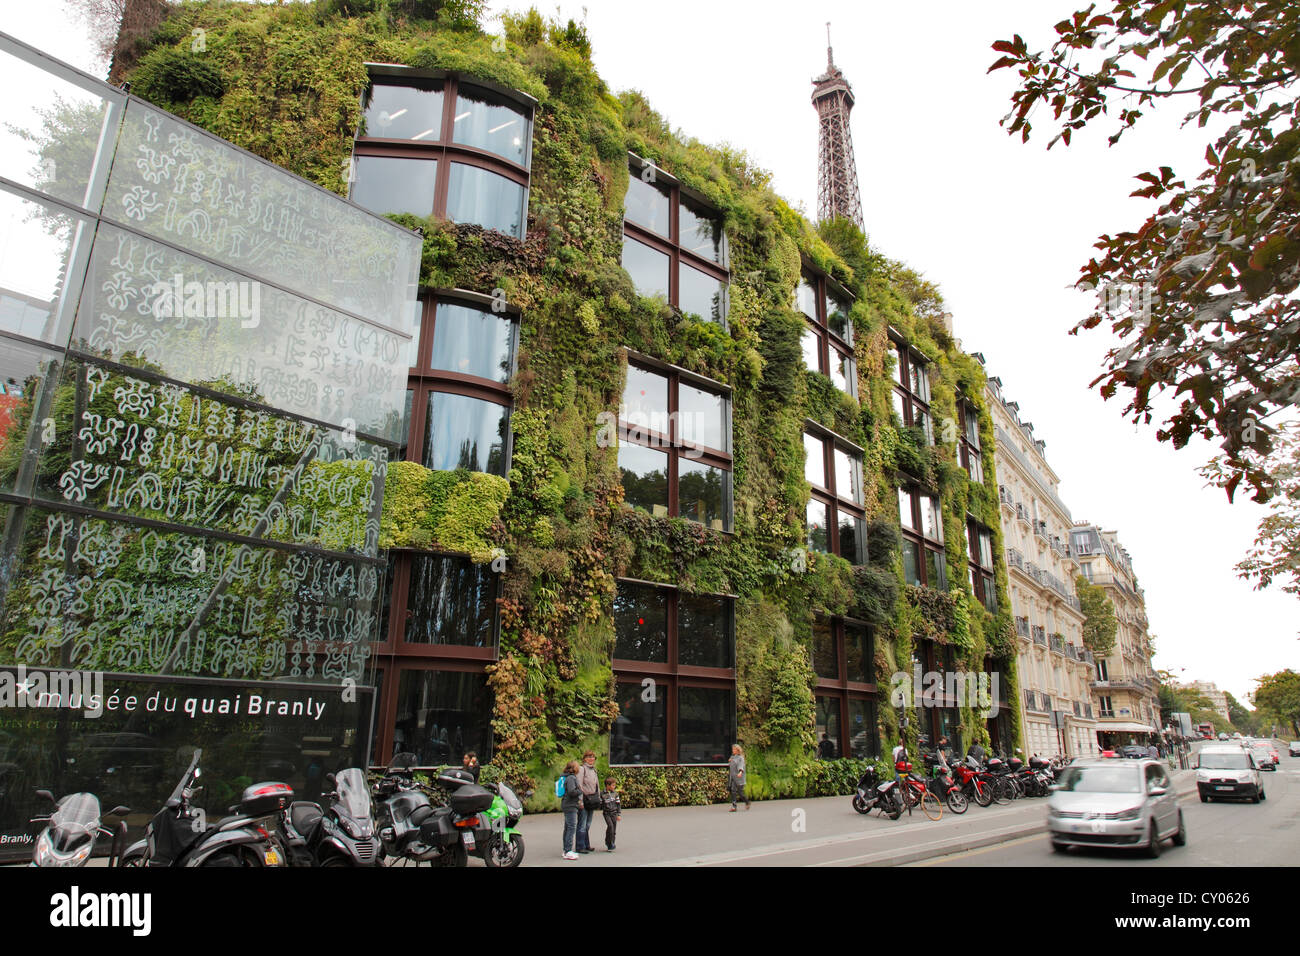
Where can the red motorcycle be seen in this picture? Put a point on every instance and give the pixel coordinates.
(977, 783)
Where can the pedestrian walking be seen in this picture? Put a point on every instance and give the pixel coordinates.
(589, 784)
(736, 777)
(571, 804)
(611, 807)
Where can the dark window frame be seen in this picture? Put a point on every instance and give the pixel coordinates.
(969, 453)
(917, 496)
(830, 495)
(909, 361)
(671, 444)
(670, 676)
(829, 344)
(980, 572)
(443, 149)
(671, 245)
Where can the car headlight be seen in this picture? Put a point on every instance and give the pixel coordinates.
(1130, 814)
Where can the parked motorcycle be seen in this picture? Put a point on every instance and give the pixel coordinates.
(179, 834)
(871, 794)
(340, 834)
(942, 785)
(73, 828)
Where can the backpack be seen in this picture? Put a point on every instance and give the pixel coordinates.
(559, 787)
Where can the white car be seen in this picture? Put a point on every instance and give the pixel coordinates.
(1293, 749)
(1263, 751)
(1228, 772)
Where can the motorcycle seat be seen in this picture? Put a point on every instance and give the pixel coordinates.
(305, 816)
(420, 814)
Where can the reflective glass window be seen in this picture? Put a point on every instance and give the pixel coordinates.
(492, 123)
(700, 234)
(464, 432)
(810, 345)
(911, 562)
(826, 658)
(814, 463)
(848, 476)
(700, 294)
(818, 533)
(706, 724)
(702, 494)
(702, 419)
(837, 317)
(645, 478)
(647, 267)
(404, 112)
(859, 653)
(704, 634)
(480, 196)
(640, 732)
(646, 205)
(451, 601)
(805, 299)
(641, 623)
(863, 742)
(853, 538)
(473, 342)
(443, 714)
(386, 184)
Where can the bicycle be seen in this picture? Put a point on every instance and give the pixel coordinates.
(915, 792)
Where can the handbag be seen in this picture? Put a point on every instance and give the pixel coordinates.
(591, 801)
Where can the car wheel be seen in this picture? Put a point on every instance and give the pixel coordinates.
(1262, 794)
(1060, 847)
(1153, 846)
(1180, 838)
(1255, 797)
(1204, 799)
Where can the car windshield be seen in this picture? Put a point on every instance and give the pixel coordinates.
(1101, 780)
(1228, 761)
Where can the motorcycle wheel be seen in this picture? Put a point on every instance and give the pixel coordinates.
(503, 855)
(860, 805)
(131, 859)
(957, 801)
(335, 861)
(982, 795)
(891, 806)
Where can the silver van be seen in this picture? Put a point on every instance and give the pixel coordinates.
(1228, 772)
(1120, 803)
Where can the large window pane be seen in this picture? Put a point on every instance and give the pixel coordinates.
(818, 530)
(465, 432)
(900, 365)
(814, 462)
(473, 342)
(404, 112)
(826, 658)
(443, 714)
(706, 721)
(646, 206)
(701, 294)
(481, 196)
(911, 562)
(810, 345)
(853, 538)
(837, 317)
(862, 729)
(805, 299)
(385, 184)
(700, 234)
(702, 419)
(936, 572)
(859, 653)
(640, 731)
(843, 373)
(848, 476)
(704, 631)
(702, 494)
(647, 267)
(492, 123)
(829, 741)
(920, 382)
(645, 403)
(38, 282)
(451, 602)
(905, 513)
(900, 406)
(645, 478)
(931, 519)
(641, 623)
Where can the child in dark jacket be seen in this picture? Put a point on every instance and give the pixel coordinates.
(611, 806)
(571, 805)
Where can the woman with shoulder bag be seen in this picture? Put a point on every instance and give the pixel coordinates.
(589, 784)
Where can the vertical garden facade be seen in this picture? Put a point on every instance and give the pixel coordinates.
(675, 467)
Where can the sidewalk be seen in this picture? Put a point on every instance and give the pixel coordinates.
(769, 834)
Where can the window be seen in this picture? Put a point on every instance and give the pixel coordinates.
(459, 402)
(441, 714)
(968, 452)
(924, 562)
(674, 662)
(444, 146)
(673, 246)
(675, 445)
(1103, 669)
(911, 393)
(827, 342)
(836, 519)
(982, 581)
(1107, 710)
(843, 655)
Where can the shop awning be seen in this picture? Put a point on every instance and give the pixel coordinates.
(1124, 727)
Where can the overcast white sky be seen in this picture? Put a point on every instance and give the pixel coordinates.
(1001, 227)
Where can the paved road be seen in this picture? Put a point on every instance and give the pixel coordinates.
(1218, 834)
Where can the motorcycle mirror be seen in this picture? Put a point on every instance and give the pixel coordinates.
(119, 811)
(46, 794)
(329, 778)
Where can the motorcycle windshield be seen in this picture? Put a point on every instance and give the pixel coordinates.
(354, 793)
(77, 812)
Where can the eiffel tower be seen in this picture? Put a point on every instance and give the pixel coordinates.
(837, 171)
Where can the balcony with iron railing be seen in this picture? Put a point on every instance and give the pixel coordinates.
(1040, 529)
(1058, 644)
(1022, 513)
(1022, 626)
(1039, 635)
(1015, 559)
(1004, 497)
(1072, 652)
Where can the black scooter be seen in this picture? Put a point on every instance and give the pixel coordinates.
(73, 828)
(179, 834)
(342, 834)
(870, 794)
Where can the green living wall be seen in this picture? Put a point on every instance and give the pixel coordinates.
(286, 82)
